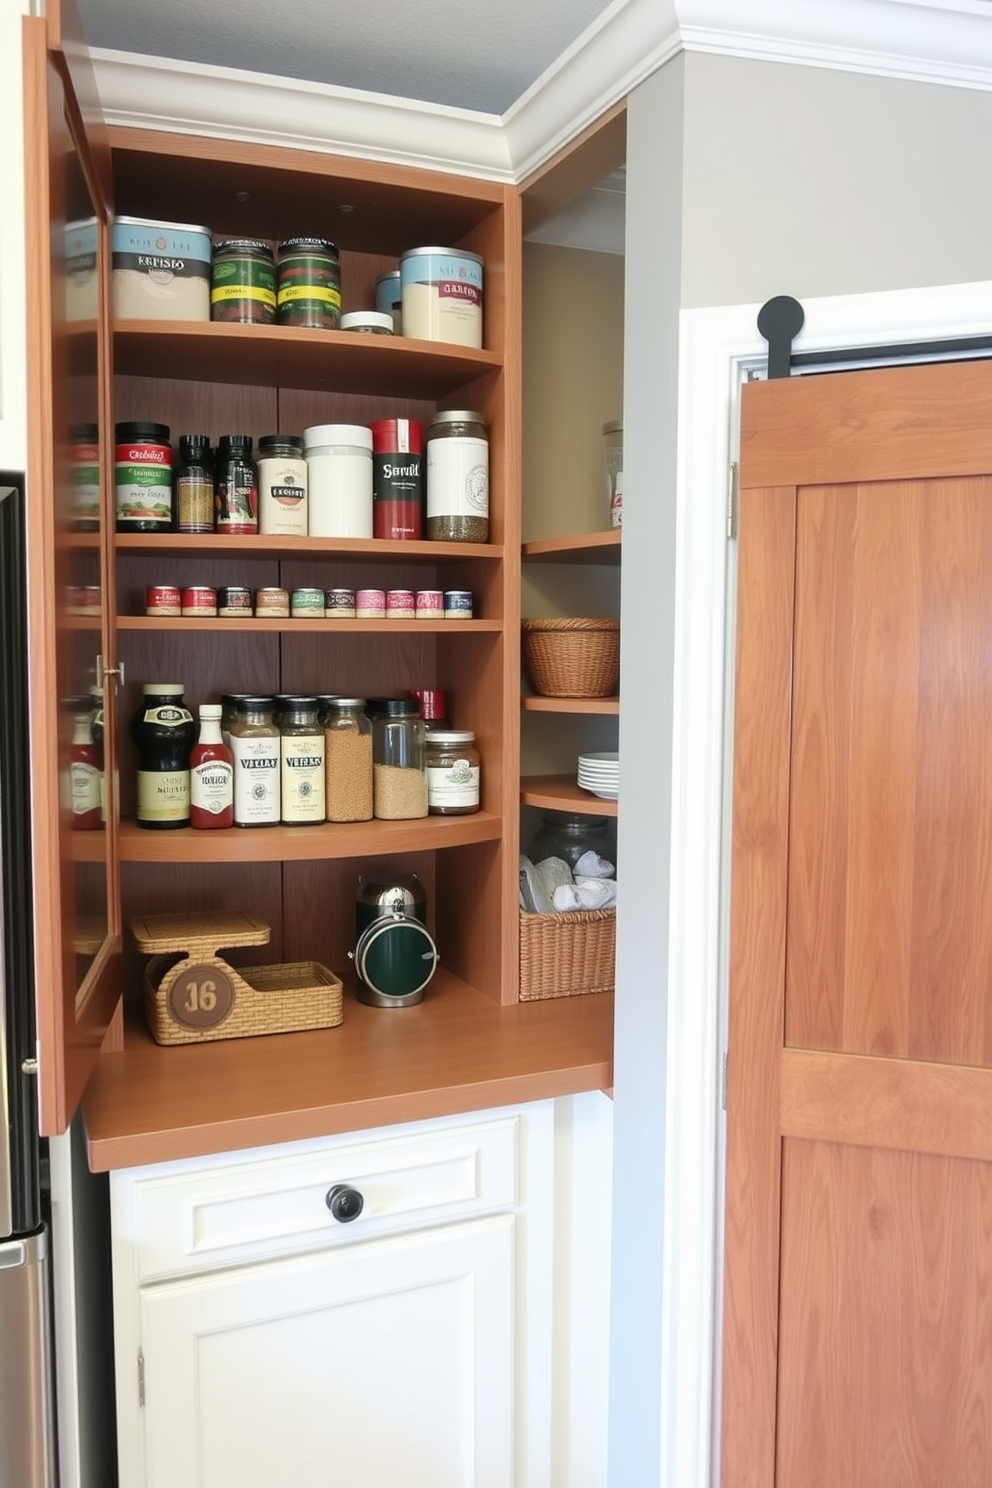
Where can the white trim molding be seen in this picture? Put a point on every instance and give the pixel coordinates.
(715, 346)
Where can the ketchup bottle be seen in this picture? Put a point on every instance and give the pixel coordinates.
(211, 774)
(84, 772)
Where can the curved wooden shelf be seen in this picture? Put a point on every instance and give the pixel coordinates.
(600, 707)
(305, 844)
(585, 547)
(563, 793)
(282, 356)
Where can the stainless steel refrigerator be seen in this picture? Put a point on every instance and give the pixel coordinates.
(27, 1450)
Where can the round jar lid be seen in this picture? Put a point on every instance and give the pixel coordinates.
(450, 736)
(457, 416)
(159, 433)
(319, 435)
(367, 320)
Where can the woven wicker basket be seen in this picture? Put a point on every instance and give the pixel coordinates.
(572, 658)
(564, 955)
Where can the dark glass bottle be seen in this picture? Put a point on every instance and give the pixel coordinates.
(163, 730)
(235, 488)
(193, 485)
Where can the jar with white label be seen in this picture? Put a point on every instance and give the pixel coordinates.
(163, 731)
(281, 471)
(301, 762)
(457, 477)
(453, 770)
(339, 479)
(254, 740)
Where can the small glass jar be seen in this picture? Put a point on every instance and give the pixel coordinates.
(309, 284)
(301, 762)
(243, 282)
(348, 759)
(254, 740)
(613, 465)
(453, 770)
(281, 470)
(567, 836)
(399, 777)
(457, 477)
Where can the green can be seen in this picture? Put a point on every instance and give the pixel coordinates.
(243, 282)
(395, 956)
(309, 284)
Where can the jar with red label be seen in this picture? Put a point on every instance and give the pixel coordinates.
(143, 477)
(397, 478)
(198, 599)
(235, 489)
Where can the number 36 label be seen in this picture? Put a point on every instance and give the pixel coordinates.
(201, 996)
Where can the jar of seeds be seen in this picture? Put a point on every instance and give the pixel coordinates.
(347, 760)
(399, 783)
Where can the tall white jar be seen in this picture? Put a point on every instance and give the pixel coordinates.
(339, 479)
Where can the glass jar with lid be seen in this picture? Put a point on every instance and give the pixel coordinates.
(301, 761)
(566, 835)
(399, 777)
(453, 769)
(347, 759)
(457, 477)
(254, 740)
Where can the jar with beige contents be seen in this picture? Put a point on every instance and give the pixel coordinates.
(399, 774)
(348, 759)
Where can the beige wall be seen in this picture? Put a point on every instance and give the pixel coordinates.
(803, 181)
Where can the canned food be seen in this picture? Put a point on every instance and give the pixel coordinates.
(339, 604)
(307, 604)
(83, 599)
(272, 603)
(309, 284)
(389, 299)
(399, 604)
(198, 599)
(367, 322)
(163, 599)
(234, 600)
(370, 604)
(442, 295)
(142, 477)
(457, 604)
(243, 282)
(429, 604)
(160, 270)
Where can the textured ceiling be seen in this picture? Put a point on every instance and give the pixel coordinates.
(470, 54)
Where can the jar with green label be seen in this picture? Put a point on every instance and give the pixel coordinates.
(243, 282)
(453, 770)
(163, 730)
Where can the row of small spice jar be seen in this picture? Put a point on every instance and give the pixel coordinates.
(237, 601)
(334, 480)
(296, 760)
(175, 271)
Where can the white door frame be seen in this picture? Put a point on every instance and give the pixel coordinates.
(716, 348)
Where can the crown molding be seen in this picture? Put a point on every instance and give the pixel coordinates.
(931, 41)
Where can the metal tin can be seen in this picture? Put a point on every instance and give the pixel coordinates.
(429, 604)
(442, 295)
(163, 599)
(432, 705)
(160, 270)
(399, 604)
(389, 298)
(142, 477)
(370, 604)
(198, 599)
(397, 478)
(272, 603)
(339, 604)
(308, 291)
(243, 282)
(307, 604)
(234, 601)
(83, 599)
(367, 323)
(457, 604)
(395, 956)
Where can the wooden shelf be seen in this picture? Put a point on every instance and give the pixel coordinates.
(342, 549)
(563, 793)
(588, 547)
(282, 356)
(261, 623)
(304, 844)
(455, 1051)
(599, 707)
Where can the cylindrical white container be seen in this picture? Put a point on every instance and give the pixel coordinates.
(282, 486)
(441, 297)
(339, 479)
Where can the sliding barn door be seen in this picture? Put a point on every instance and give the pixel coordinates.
(858, 1265)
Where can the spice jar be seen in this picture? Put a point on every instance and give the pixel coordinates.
(613, 463)
(308, 289)
(84, 478)
(301, 761)
(235, 491)
(281, 472)
(397, 478)
(142, 477)
(399, 783)
(254, 740)
(453, 767)
(339, 474)
(243, 282)
(347, 760)
(163, 731)
(457, 477)
(194, 485)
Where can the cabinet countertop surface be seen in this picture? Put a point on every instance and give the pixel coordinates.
(455, 1051)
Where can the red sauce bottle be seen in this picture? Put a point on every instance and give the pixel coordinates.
(211, 774)
(84, 771)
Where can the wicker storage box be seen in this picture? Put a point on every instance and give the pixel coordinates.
(572, 658)
(563, 955)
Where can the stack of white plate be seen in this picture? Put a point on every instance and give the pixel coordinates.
(600, 773)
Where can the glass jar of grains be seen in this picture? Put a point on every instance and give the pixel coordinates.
(457, 477)
(399, 778)
(347, 759)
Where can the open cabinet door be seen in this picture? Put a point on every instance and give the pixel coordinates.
(70, 589)
(858, 1272)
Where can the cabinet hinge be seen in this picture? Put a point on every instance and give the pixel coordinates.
(141, 1378)
(723, 1083)
(732, 501)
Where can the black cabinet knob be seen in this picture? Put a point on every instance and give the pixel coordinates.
(344, 1203)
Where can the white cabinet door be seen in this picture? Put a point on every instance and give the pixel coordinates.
(378, 1365)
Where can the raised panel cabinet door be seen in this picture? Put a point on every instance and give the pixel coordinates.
(390, 1362)
(858, 1255)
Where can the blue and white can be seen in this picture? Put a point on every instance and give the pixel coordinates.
(457, 604)
(160, 270)
(441, 294)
